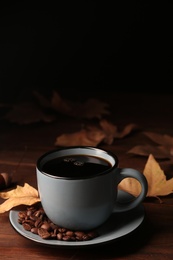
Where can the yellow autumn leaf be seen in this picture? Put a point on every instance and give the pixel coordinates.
(158, 185)
(131, 186)
(26, 195)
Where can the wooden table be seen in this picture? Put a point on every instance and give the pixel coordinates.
(21, 145)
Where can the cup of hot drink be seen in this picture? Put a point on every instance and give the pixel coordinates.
(78, 186)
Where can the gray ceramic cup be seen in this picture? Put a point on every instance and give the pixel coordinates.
(81, 200)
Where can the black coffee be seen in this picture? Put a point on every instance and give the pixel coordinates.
(76, 166)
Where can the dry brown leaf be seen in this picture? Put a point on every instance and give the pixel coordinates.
(112, 132)
(164, 149)
(165, 140)
(92, 108)
(127, 130)
(158, 152)
(27, 113)
(91, 137)
(158, 185)
(44, 110)
(26, 195)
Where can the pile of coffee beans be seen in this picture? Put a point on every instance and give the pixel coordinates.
(34, 220)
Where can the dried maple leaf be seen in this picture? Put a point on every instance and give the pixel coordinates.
(111, 131)
(159, 152)
(26, 113)
(162, 151)
(93, 135)
(88, 137)
(165, 140)
(26, 195)
(92, 108)
(158, 185)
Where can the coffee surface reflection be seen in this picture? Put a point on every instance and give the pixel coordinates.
(76, 166)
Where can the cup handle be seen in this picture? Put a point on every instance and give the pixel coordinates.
(132, 173)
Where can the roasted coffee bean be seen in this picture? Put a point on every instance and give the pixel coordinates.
(30, 222)
(43, 233)
(46, 226)
(34, 230)
(79, 234)
(33, 217)
(29, 212)
(54, 233)
(62, 230)
(38, 223)
(91, 234)
(22, 215)
(59, 236)
(66, 238)
(26, 226)
(53, 226)
(69, 233)
(20, 221)
(34, 220)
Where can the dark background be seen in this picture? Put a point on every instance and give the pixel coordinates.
(86, 45)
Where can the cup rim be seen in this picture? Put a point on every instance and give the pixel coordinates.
(43, 158)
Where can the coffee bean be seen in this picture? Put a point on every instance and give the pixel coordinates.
(66, 238)
(43, 233)
(46, 226)
(38, 223)
(34, 220)
(79, 234)
(69, 233)
(26, 226)
(34, 230)
(22, 215)
(62, 230)
(59, 236)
